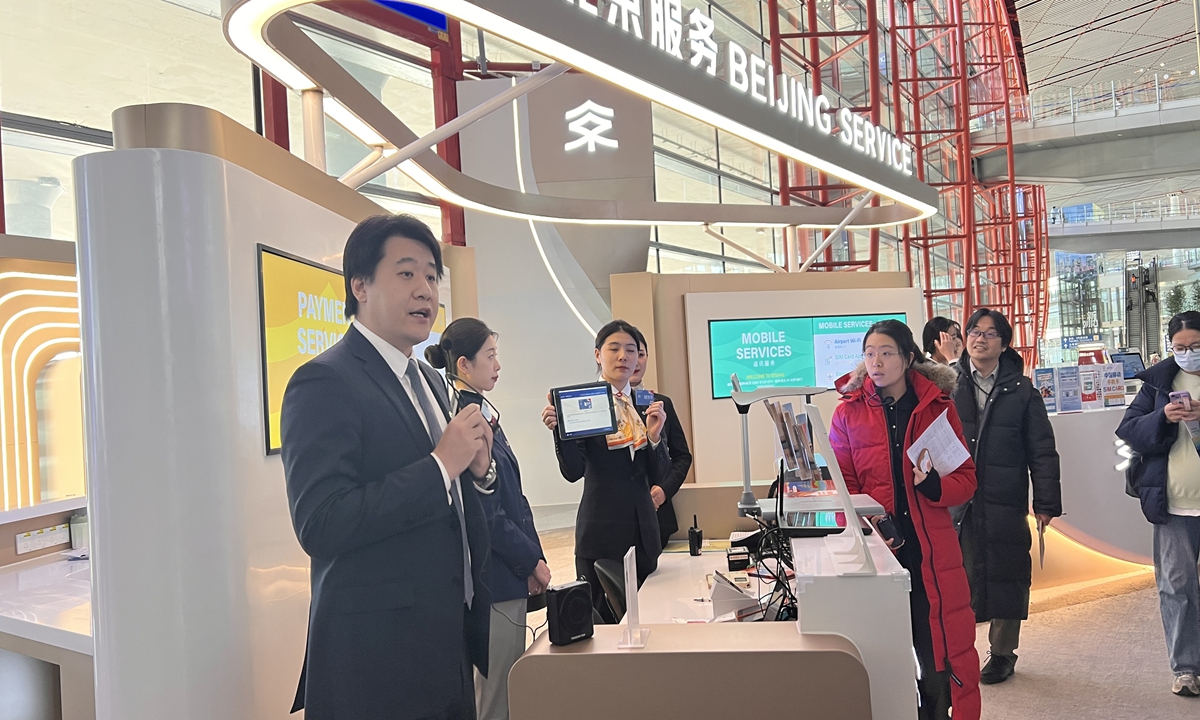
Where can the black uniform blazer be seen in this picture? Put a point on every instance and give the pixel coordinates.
(616, 505)
(681, 462)
(386, 631)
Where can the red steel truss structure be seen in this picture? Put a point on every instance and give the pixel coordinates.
(929, 70)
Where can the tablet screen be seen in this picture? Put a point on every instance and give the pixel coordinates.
(585, 410)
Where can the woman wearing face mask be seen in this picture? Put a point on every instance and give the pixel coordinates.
(893, 396)
(516, 568)
(943, 340)
(618, 470)
(1165, 474)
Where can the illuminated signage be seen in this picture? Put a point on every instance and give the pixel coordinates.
(751, 75)
(302, 308)
(590, 121)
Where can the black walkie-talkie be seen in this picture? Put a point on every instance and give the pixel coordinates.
(695, 538)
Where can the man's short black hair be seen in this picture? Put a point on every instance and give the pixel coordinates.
(364, 248)
(1002, 325)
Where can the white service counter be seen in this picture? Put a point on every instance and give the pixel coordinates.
(870, 611)
(46, 620)
(1097, 512)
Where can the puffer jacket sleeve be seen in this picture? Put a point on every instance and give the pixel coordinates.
(1145, 428)
(1044, 469)
(959, 486)
(839, 440)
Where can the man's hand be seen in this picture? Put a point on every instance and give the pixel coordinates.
(549, 414)
(1043, 520)
(656, 418)
(465, 437)
(482, 462)
(540, 579)
(658, 496)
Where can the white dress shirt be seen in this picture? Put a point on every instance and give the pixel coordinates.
(399, 363)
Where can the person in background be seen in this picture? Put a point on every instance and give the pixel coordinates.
(1165, 474)
(1155, 358)
(379, 482)
(618, 470)
(943, 340)
(1009, 435)
(677, 449)
(517, 567)
(888, 401)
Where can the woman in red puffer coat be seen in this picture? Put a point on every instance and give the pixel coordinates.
(888, 402)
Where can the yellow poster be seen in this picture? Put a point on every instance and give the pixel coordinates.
(303, 314)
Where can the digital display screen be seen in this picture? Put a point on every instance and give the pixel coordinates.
(585, 410)
(302, 314)
(302, 310)
(1131, 362)
(793, 351)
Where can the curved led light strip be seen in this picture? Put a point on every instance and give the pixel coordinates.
(15, 394)
(537, 240)
(30, 402)
(247, 20)
(3, 333)
(4, 299)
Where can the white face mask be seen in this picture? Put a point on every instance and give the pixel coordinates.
(1188, 361)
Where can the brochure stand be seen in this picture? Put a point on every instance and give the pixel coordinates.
(635, 633)
(849, 548)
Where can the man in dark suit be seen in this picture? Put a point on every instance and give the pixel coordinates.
(379, 479)
(677, 448)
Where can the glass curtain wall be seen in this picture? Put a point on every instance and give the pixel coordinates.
(696, 163)
(65, 66)
(1088, 296)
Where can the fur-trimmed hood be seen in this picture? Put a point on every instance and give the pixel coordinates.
(944, 376)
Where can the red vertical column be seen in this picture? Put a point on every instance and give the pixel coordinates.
(275, 111)
(447, 71)
(785, 190)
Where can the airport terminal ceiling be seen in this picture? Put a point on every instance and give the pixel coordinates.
(1086, 47)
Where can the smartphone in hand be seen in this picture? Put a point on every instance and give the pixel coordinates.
(1183, 397)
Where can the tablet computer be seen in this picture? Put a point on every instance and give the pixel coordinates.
(585, 410)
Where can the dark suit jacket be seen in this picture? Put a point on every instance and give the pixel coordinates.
(516, 548)
(616, 507)
(387, 629)
(681, 462)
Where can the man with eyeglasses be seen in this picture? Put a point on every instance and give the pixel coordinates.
(1010, 438)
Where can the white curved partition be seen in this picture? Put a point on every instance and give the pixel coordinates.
(200, 594)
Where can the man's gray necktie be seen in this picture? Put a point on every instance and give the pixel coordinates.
(435, 434)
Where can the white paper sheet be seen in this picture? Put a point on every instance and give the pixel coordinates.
(945, 449)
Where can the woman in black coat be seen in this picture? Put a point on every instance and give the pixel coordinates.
(677, 449)
(616, 511)
(1009, 435)
(1165, 475)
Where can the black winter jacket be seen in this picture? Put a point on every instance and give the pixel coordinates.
(1146, 431)
(1012, 443)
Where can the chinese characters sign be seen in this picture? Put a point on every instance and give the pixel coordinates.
(677, 57)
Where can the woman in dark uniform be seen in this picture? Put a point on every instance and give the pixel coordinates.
(618, 470)
(516, 568)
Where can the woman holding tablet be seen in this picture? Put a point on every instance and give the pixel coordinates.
(516, 568)
(618, 469)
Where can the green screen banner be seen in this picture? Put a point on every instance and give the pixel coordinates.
(776, 352)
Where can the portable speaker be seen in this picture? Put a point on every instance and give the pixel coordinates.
(569, 612)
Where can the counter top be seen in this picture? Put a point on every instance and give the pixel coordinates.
(48, 600)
